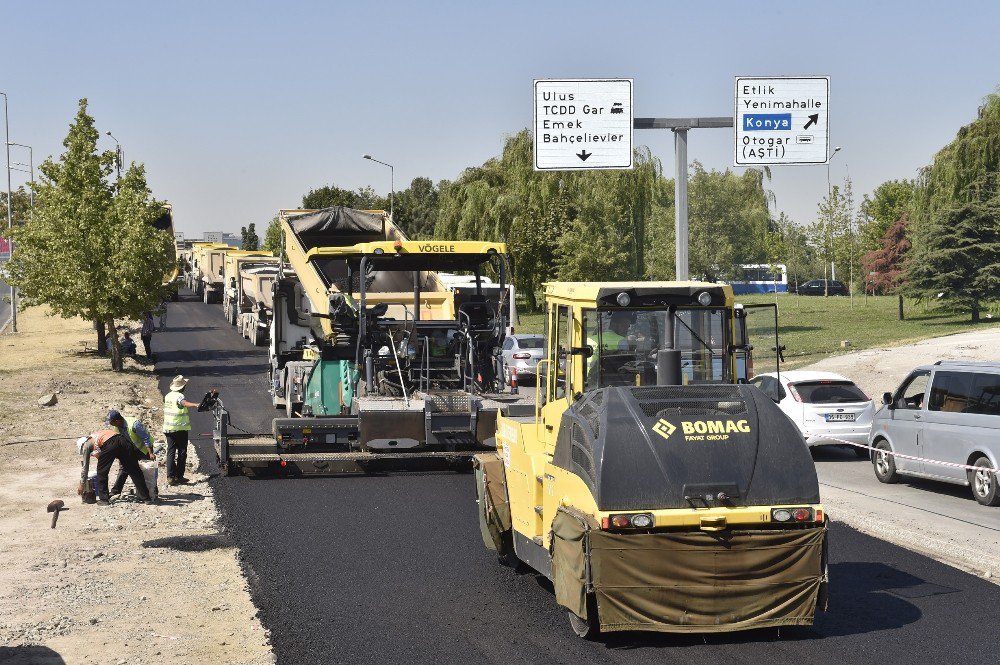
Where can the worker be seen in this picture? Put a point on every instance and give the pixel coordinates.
(147, 335)
(128, 344)
(114, 446)
(176, 426)
(616, 337)
(138, 435)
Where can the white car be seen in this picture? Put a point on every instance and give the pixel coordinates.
(828, 408)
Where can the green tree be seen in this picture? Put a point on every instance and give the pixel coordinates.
(415, 209)
(249, 239)
(272, 237)
(830, 233)
(329, 196)
(20, 208)
(888, 203)
(959, 259)
(91, 250)
(964, 171)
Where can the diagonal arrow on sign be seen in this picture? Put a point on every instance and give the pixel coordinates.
(813, 119)
(583, 154)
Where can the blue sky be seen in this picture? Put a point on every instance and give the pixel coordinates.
(238, 108)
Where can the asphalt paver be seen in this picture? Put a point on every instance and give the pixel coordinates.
(391, 568)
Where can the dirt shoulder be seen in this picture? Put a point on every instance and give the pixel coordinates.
(129, 583)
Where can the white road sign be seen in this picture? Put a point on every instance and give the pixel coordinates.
(583, 124)
(782, 120)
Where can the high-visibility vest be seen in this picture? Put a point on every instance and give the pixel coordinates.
(611, 341)
(133, 437)
(175, 418)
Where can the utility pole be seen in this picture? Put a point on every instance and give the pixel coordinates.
(10, 216)
(680, 127)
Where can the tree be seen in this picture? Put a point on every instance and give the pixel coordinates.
(888, 203)
(272, 237)
(91, 250)
(329, 196)
(830, 233)
(959, 260)
(416, 208)
(249, 240)
(20, 208)
(964, 171)
(887, 262)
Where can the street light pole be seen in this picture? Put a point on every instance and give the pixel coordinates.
(10, 216)
(118, 155)
(826, 228)
(392, 179)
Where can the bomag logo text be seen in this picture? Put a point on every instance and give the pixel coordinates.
(436, 248)
(703, 430)
(715, 427)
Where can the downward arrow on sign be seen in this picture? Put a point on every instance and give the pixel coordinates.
(583, 154)
(813, 119)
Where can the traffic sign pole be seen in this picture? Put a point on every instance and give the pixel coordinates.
(680, 127)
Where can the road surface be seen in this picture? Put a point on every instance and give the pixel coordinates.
(391, 568)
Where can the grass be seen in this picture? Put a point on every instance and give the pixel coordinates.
(812, 328)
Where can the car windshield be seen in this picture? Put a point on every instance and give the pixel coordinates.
(625, 343)
(829, 392)
(531, 342)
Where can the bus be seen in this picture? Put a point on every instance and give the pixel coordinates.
(760, 278)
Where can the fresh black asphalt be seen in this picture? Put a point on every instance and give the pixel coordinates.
(391, 568)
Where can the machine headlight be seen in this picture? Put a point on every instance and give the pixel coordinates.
(379, 251)
(781, 515)
(704, 298)
(623, 299)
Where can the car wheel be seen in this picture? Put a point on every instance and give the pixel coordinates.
(984, 483)
(885, 465)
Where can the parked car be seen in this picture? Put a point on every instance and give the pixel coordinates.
(522, 352)
(815, 287)
(946, 412)
(828, 408)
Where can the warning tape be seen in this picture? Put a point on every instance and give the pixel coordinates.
(953, 465)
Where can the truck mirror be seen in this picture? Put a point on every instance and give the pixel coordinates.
(887, 399)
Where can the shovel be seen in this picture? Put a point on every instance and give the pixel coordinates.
(54, 507)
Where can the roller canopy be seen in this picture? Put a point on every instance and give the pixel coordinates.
(652, 448)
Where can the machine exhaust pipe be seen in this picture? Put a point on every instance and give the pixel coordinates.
(668, 367)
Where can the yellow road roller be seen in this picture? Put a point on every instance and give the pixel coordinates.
(652, 485)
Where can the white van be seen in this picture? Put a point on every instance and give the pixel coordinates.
(946, 412)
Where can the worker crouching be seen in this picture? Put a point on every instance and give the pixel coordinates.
(111, 446)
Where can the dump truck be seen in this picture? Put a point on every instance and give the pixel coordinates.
(370, 358)
(257, 292)
(207, 270)
(234, 303)
(653, 489)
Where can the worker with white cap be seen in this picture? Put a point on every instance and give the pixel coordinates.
(176, 426)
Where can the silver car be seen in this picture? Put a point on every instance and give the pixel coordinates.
(945, 412)
(522, 352)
